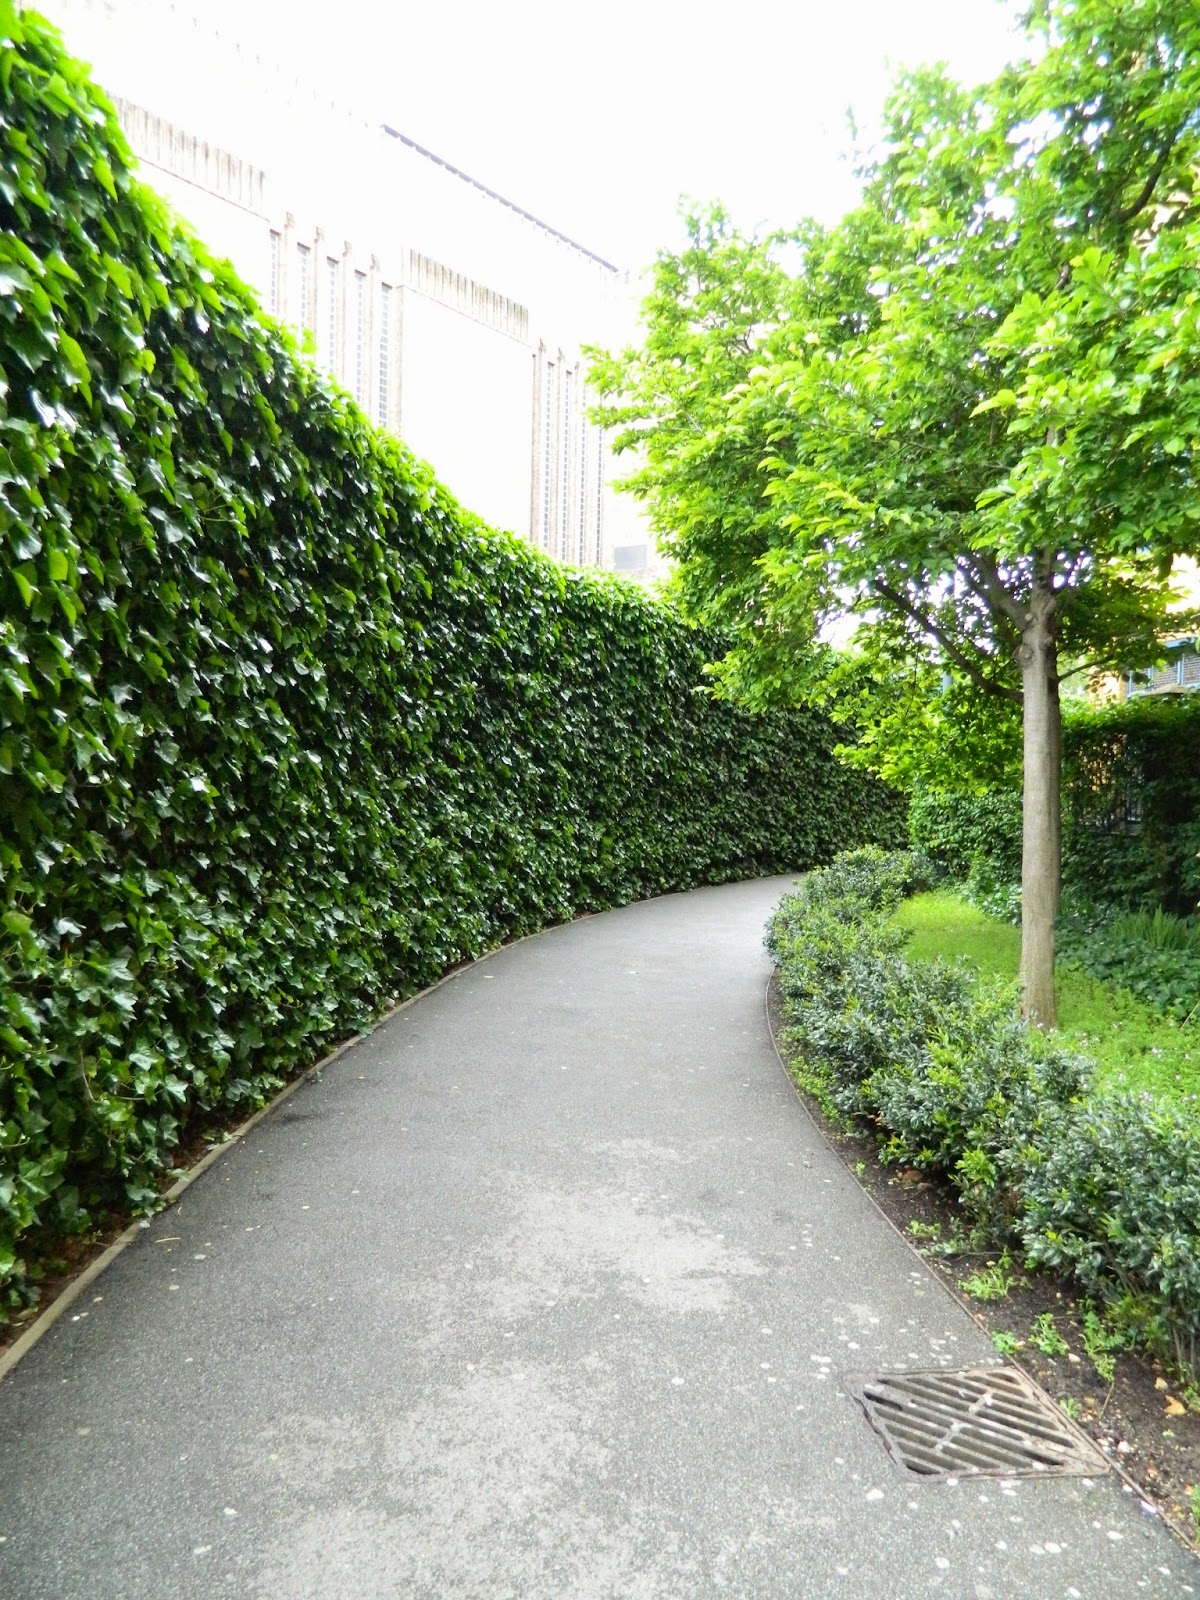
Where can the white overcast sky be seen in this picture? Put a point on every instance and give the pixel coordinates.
(598, 117)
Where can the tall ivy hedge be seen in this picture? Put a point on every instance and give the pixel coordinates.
(1130, 805)
(1133, 801)
(284, 732)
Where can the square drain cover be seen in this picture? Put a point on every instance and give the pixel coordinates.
(990, 1421)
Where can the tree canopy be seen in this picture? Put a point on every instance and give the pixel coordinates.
(968, 413)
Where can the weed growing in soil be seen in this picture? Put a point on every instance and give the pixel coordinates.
(994, 1282)
(1046, 1337)
(1102, 1341)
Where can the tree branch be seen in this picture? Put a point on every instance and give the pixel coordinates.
(925, 621)
(1146, 194)
(1007, 633)
(997, 596)
(1099, 664)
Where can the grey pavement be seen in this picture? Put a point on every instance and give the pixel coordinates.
(545, 1291)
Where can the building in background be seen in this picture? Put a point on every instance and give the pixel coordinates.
(1178, 669)
(454, 317)
(1177, 673)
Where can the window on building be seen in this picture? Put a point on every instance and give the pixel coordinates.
(629, 557)
(564, 470)
(273, 267)
(384, 394)
(303, 286)
(547, 449)
(329, 340)
(581, 507)
(599, 529)
(360, 337)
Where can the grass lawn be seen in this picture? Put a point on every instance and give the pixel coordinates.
(1133, 1047)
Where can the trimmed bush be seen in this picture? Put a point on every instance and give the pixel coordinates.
(973, 836)
(284, 733)
(1105, 1187)
(1115, 1200)
(1131, 812)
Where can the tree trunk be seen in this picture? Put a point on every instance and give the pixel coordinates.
(1040, 845)
(1056, 758)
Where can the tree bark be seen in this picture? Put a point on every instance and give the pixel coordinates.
(1040, 845)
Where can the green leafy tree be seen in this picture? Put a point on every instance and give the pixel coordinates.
(970, 417)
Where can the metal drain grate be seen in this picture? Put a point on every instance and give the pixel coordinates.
(989, 1421)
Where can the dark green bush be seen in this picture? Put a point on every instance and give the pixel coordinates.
(978, 1096)
(839, 966)
(1116, 1202)
(1131, 812)
(970, 834)
(283, 731)
(869, 879)
(1122, 949)
(1131, 803)
(1106, 1187)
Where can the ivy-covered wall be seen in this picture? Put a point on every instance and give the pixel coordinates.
(1130, 804)
(284, 732)
(1132, 801)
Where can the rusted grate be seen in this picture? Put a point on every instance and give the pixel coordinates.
(986, 1421)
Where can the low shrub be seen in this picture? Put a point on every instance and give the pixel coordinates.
(978, 1100)
(1154, 955)
(1105, 1187)
(1115, 1200)
(869, 879)
(838, 959)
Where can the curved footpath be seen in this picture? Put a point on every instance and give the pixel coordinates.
(542, 1292)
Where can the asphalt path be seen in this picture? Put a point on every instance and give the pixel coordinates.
(548, 1290)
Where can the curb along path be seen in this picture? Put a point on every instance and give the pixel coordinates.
(544, 1290)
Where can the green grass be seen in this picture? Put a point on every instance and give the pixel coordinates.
(1133, 1047)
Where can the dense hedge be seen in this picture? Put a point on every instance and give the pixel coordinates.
(1105, 1187)
(975, 836)
(1131, 810)
(283, 731)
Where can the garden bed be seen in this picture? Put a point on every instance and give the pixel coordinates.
(1134, 1419)
(1059, 1205)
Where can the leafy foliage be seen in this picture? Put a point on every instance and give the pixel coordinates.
(1129, 951)
(1103, 1186)
(974, 837)
(284, 732)
(1131, 810)
(1115, 1201)
(1132, 803)
(969, 417)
